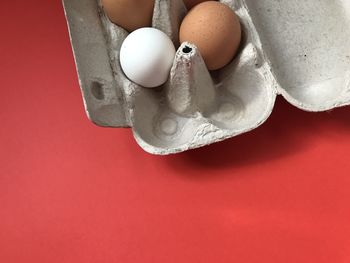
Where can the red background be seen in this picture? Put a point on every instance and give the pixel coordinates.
(74, 192)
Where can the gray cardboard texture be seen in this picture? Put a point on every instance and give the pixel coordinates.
(299, 49)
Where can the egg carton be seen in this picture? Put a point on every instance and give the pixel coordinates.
(297, 49)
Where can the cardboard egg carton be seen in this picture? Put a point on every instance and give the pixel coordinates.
(297, 49)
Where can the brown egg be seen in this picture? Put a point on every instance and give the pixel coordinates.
(216, 31)
(191, 3)
(129, 14)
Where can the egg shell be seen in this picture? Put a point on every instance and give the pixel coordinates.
(191, 3)
(146, 57)
(129, 14)
(284, 51)
(215, 29)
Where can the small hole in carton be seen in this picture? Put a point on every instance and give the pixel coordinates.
(97, 90)
(187, 50)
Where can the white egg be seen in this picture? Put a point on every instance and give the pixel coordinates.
(146, 57)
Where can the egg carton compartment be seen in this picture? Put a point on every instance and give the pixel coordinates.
(299, 50)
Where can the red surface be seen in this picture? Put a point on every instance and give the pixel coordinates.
(74, 192)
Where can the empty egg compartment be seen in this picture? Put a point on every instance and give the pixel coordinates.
(197, 107)
(307, 44)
